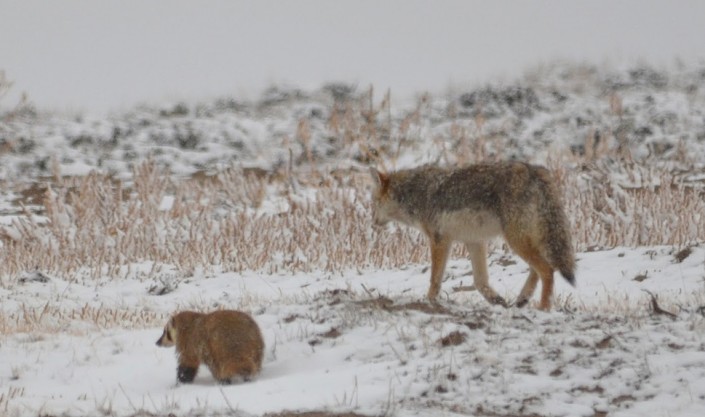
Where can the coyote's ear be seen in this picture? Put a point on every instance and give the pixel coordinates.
(380, 178)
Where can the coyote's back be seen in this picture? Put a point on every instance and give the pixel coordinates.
(475, 203)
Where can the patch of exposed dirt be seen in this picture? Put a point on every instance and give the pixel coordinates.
(683, 254)
(452, 339)
(387, 304)
(424, 307)
(314, 414)
(331, 334)
(380, 302)
(480, 412)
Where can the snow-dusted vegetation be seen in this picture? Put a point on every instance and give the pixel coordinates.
(109, 225)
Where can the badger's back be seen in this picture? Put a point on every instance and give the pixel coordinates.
(233, 336)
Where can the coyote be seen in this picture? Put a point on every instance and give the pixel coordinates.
(474, 204)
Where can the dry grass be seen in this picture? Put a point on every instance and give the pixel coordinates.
(308, 216)
(314, 414)
(21, 107)
(6, 395)
(296, 222)
(53, 318)
(606, 213)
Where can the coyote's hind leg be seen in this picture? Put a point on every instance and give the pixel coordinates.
(540, 268)
(529, 287)
(478, 258)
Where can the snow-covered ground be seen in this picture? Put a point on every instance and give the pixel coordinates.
(650, 114)
(365, 340)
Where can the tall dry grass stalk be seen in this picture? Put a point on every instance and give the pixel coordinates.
(238, 220)
(54, 318)
(310, 216)
(606, 214)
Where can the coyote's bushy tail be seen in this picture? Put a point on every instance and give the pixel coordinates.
(559, 244)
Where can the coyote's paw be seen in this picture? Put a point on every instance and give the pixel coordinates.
(521, 302)
(497, 300)
(433, 302)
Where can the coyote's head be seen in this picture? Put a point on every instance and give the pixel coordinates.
(384, 205)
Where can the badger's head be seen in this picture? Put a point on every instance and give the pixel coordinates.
(169, 335)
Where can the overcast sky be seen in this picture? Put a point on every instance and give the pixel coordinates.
(95, 56)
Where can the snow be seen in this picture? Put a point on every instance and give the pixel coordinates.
(89, 57)
(363, 340)
(602, 350)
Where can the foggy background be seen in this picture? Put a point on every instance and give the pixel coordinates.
(97, 56)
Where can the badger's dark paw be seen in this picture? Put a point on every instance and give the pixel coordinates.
(185, 374)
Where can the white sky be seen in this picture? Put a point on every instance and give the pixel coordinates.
(94, 56)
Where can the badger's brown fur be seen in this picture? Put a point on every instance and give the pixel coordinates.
(228, 342)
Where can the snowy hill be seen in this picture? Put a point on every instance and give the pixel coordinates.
(109, 225)
(654, 116)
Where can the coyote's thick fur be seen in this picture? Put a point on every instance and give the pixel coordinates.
(476, 203)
